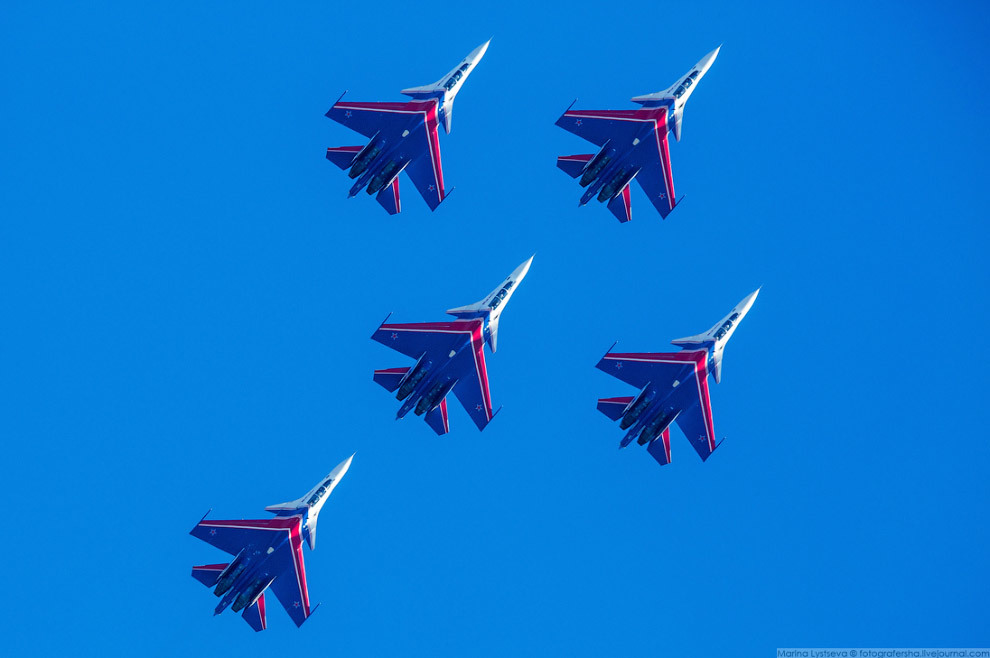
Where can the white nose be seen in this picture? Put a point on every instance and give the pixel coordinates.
(479, 52)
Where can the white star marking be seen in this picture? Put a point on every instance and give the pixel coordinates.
(618, 366)
(213, 531)
(578, 122)
(295, 604)
(431, 188)
(348, 114)
(394, 335)
(477, 407)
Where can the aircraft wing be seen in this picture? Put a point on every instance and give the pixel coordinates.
(436, 339)
(600, 126)
(290, 587)
(685, 371)
(656, 178)
(369, 119)
(644, 368)
(232, 536)
(696, 424)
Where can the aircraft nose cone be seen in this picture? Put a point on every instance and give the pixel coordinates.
(342, 467)
(707, 60)
(520, 272)
(479, 52)
(747, 303)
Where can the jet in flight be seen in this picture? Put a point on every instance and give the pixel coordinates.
(403, 137)
(672, 387)
(267, 553)
(450, 356)
(633, 145)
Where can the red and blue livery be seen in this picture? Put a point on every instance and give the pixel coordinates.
(449, 357)
(268, 556)
(673, 387)
(632, 145)
(402, 137)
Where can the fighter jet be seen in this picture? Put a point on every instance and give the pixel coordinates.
(673, 387)
(267, 553)
(450, 356)
(633, 145)
(403, 137)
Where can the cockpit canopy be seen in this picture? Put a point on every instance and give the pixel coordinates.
(318, 494)
(684, 86)
(458, 74)
(726, 326)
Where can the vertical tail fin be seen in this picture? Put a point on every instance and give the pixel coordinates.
(388, 197)
(436, 418)
(255, 616)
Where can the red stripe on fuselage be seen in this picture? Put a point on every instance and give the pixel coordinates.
(663, 149)
(295, 539)
(433, 139)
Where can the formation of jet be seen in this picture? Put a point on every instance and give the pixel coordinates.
(450, 356)
(402, 137)
(673, 386)
(633, 144)
(267, 555)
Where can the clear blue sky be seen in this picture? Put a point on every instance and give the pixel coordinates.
(188, 298)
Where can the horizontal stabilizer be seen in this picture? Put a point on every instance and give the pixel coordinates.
(573, 165)
(388, 197)
(390, 378)
(621, 205)
(436, 418)
(208, 573)
(614, 407)
(659, 448)
(343, 156)
(254, 614)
